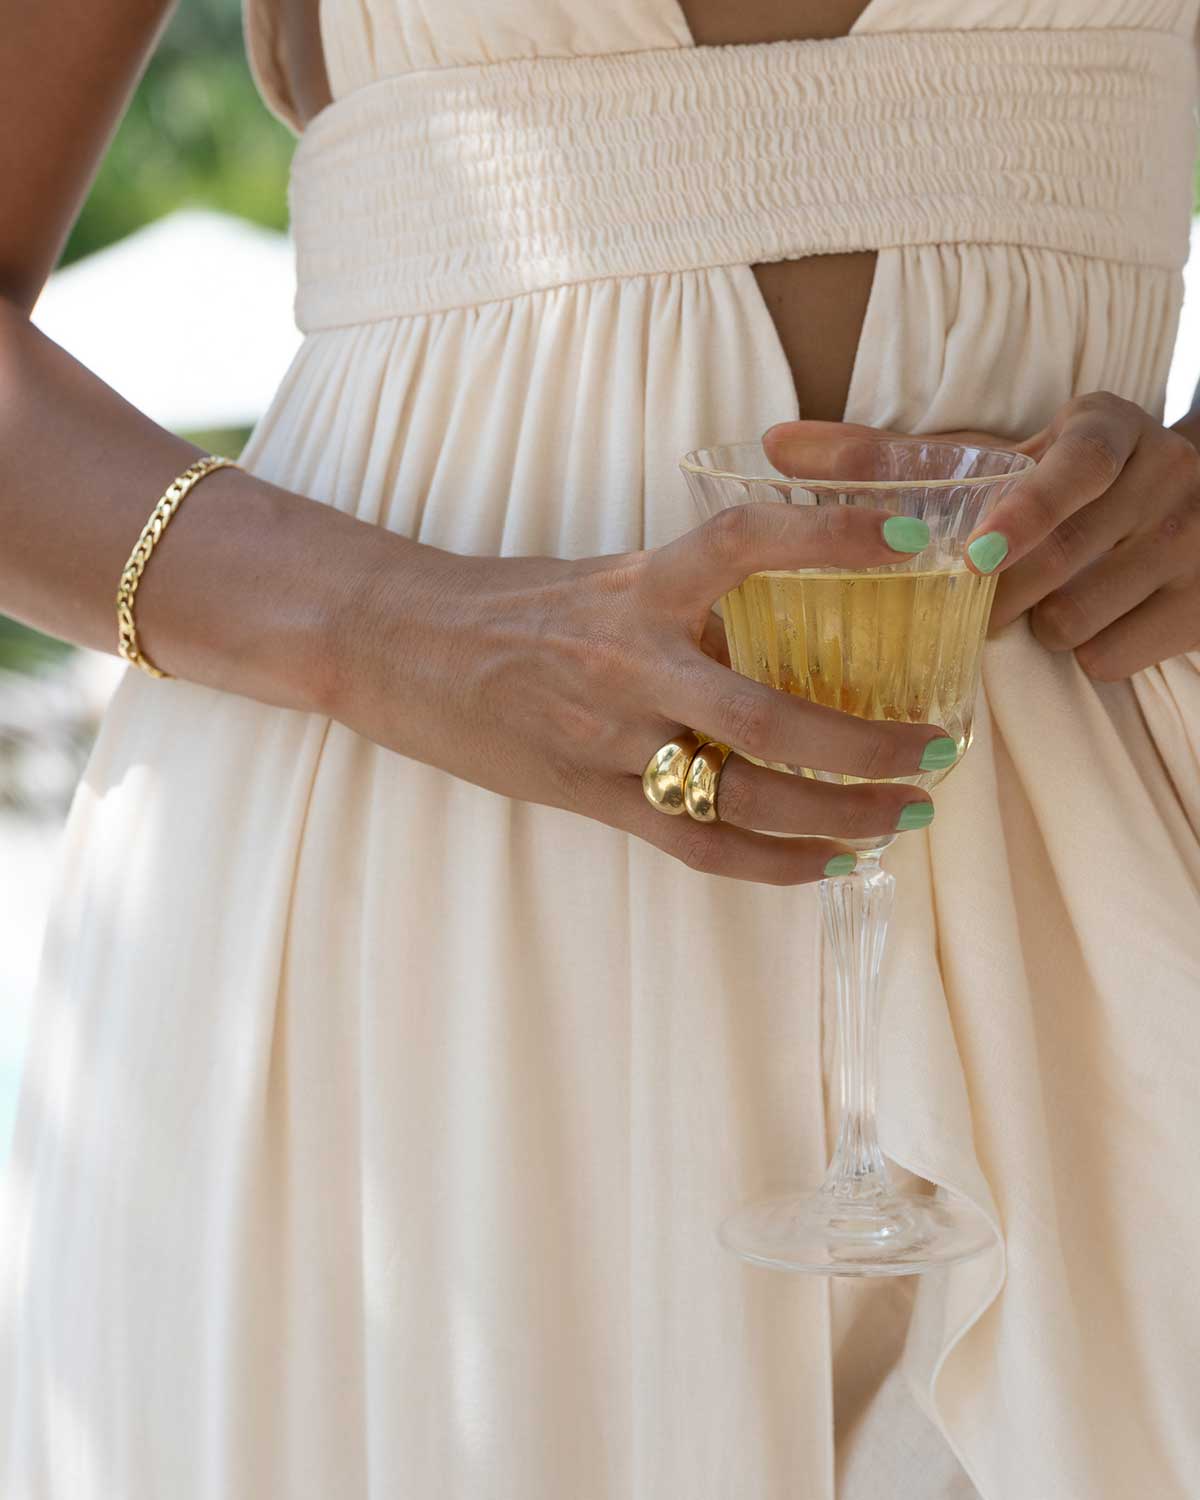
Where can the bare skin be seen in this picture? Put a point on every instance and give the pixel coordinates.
(1109, 571)
(578, 669)
(817, 304)
(574, 670)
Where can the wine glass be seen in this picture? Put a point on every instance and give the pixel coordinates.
(902, 641)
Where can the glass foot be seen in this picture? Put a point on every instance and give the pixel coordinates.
(831, 1235)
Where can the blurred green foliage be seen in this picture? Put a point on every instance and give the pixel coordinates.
(22, 649)
(228, 441)
(196, 133)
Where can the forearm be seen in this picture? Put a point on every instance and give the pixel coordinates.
(248, 588)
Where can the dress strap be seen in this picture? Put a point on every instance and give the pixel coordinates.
(261, 32)
(452, 187)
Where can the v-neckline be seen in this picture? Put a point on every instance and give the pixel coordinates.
(769, 328)
(681, 21)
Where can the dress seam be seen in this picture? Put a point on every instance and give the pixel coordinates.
(852, 36)
(1142, 267)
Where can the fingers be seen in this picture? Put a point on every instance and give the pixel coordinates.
(839, 450)
(823, 450)
(1078, 542)
(1165, 625)
(1109, 556)
(713, 641)
(1098, 596)
(750, 796)
(774, 726)
(716, 848)
(707, 562)
(1095, 437)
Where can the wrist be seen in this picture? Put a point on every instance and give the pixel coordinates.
(246, 592)
(384, 623)
(415, 633)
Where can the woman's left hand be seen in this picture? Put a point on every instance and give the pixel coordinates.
(1103, 537)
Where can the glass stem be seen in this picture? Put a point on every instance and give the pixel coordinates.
(855, 909)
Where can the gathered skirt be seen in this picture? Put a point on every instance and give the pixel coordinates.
(376, 1127)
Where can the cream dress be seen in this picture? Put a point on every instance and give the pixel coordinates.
(376, 1127)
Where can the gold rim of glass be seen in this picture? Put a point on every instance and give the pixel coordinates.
(1022, 463)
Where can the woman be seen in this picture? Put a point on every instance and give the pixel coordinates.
(379, 1111)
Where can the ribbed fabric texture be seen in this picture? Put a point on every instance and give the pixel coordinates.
(376, 1127)
(463, 185)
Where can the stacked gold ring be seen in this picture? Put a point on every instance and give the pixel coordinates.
(702, 780)
(683, 776)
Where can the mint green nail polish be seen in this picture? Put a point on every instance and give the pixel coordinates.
(841, 864)
(939, 754)
(988, 551)
(905, 534)
(915, 815)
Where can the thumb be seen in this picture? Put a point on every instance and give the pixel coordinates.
(823, 450)
(973, 437)
(839, 450)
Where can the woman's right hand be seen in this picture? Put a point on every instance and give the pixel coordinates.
(555, 681)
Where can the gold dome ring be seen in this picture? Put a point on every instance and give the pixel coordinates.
(702, 781)
(663, 778)
(683, 776)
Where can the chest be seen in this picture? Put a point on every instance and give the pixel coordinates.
(708, 22)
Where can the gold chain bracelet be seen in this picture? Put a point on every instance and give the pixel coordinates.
(127, 642)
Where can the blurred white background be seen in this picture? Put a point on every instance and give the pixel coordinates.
(190, 318)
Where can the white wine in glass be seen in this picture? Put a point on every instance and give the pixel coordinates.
(904, 645)
(902, 642)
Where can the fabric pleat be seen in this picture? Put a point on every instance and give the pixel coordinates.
(375, 1128)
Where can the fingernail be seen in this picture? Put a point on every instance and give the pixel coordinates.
(905, 534)
(939, 754)
(841, 864)
(915, 815)
(988, 551)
